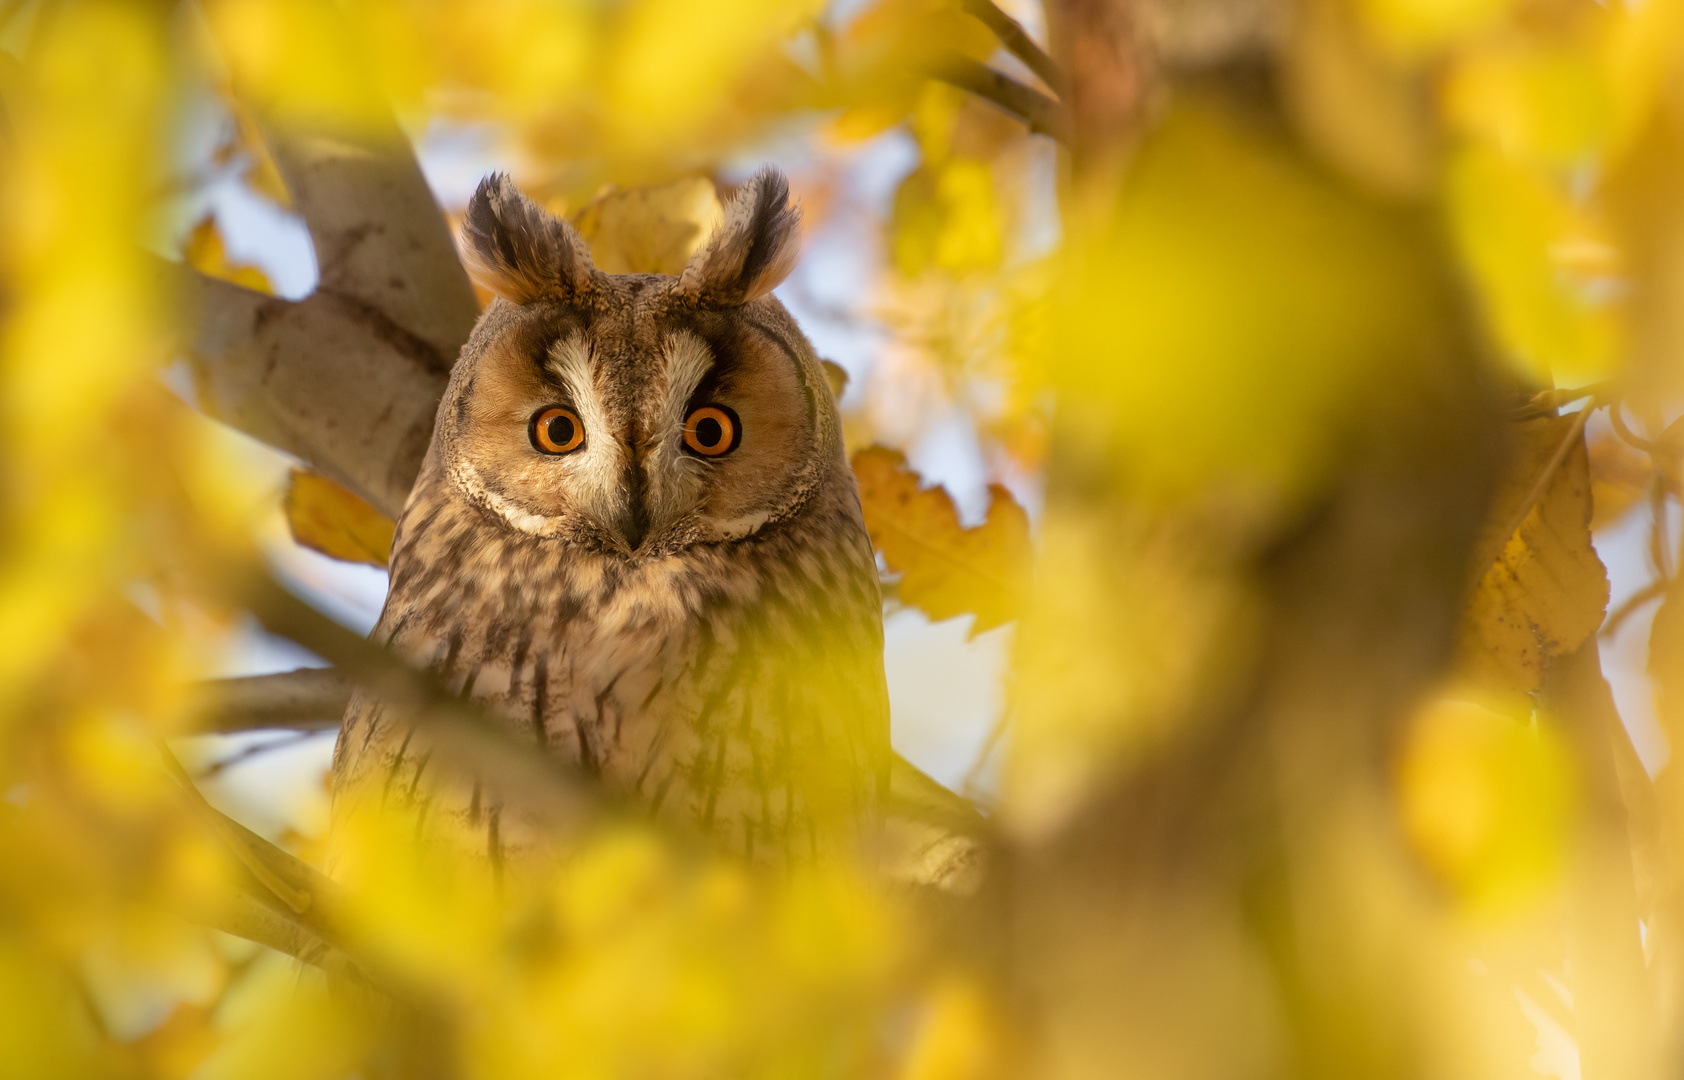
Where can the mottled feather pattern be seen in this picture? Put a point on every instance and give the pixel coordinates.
(704, 635)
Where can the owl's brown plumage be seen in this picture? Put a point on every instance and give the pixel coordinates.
(699, 628)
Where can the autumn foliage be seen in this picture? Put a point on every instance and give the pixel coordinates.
(1314, 372)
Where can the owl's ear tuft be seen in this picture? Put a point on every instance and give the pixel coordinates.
(753, 249)
(519, 250)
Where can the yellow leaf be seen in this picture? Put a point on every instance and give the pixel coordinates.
(1416, 27)
(946, 569)
(1234, 313)
(1485, 801)
(650, 230)
(326, 518)
(1539, 104)
(1361, 110)
(1539, 263)
(946, 218)
(1542, 590)
(206, 253)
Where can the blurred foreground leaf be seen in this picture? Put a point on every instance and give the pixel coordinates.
(325, 517)
(1544, 590)
(1485, 800)
(946, 569)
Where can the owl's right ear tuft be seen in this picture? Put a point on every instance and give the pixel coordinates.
(751, 251)
(519, 250)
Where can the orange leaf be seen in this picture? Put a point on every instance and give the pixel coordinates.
(946, 569)
(206, 253)
(326, 518)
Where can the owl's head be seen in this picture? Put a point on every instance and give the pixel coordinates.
(635, 413)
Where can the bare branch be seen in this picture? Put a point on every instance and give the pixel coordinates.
(1041, 113)
(309, 699)
(328, 379)
(349, 378)
(381, 241)
(1018, 42)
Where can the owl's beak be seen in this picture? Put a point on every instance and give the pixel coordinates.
(634, 521)
(635, 527)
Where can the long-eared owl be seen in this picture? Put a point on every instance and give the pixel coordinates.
(637, 541)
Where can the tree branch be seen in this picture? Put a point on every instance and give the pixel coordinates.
(1018, 42)
(1043, 115)
(936, 837)
(308, 699)
(465, 736)
(349, 378)
(328, 379)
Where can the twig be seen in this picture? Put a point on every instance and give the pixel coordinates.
(246, 753)
(1625, 433)
(1018, 42)
(1043, 115)
(1549, 402)
(1651, 591)
(294, 888)
(1575, 431)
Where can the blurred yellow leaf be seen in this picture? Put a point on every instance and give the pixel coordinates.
(1416, 27)
(673, 62)
(206, 253)
(959, 1038)
(174, 1049)
(1364, 112)
(1640, 193)
(1533, 102)
(650, 230)
(1534, 256)
(325, 517)
(297, 60)
(946, 569)
(1237, 313)
(946, 218)
(884, 57)
(1542, 590)
(1486, 801)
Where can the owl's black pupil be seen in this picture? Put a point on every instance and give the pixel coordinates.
(709, 432)
(561, 430)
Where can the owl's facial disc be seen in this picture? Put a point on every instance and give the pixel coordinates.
(643, 434)
(636, 413)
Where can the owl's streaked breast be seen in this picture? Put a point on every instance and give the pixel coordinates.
(719, 685)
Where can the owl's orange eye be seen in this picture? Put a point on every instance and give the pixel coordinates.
(556, 430)
(712, 430)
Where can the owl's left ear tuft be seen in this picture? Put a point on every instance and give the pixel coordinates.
(753, 249)
(519, 250)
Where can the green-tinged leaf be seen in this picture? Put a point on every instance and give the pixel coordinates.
(325, 517)
(1542, 590)
(946, 569)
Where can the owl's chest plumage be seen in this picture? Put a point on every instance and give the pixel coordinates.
(737, 687)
